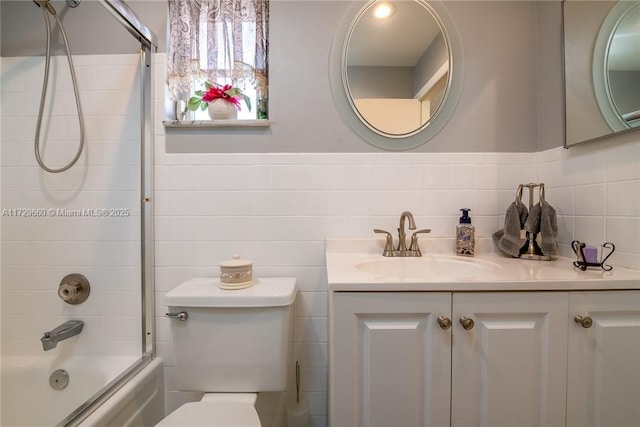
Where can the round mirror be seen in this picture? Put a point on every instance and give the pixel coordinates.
(397, 73)
(623, 68)
(396, 66)
(616, 67)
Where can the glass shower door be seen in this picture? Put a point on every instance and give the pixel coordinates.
(91, 221)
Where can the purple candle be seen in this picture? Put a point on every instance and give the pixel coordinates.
(591, 254)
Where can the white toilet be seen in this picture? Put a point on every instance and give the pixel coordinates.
(230, 344)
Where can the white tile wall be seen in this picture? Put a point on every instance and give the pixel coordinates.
(278, 209)
(596, 190)
(38, 252)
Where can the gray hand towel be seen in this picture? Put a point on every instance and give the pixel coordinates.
(543, 221)
(532, 224)
(508, 239)
(548, 230)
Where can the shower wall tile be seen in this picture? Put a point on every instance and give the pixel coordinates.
(38, 251)
(41, 278)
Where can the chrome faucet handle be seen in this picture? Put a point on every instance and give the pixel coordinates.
(414, 241)
(388, 246)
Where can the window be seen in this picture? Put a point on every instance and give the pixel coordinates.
(221, 41)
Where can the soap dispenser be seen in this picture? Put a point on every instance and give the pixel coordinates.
(465, 235)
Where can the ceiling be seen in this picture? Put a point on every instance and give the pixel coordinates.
(399, 40)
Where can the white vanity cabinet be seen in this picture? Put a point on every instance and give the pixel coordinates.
(604, 359)
(390, 360)
(505, 358)
(509, 367)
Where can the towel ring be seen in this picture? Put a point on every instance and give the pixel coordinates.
(541, 195)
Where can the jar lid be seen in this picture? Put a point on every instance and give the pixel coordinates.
(236, 262)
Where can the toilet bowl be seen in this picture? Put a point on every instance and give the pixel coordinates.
(216, 410)
(231, 345)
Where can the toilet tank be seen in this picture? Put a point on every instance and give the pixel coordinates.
(232, 340)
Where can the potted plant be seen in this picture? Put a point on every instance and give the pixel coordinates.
(222, 102)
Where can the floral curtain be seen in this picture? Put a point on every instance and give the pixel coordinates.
(223, 41)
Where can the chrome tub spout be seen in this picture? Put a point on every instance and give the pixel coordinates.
(66, 330)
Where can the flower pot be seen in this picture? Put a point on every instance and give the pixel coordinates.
(220, 109)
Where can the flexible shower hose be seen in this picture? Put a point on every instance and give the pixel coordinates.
(46, 11)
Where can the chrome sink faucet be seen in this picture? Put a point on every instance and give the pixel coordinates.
(66, 330)
(402, 237)
(401, 250)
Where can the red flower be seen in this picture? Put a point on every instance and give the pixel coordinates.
(216, 93)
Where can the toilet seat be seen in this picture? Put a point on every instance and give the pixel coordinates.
(213, 414)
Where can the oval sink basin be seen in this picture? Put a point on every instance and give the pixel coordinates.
(430, 269)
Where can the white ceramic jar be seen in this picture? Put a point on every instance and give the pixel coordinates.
(236, 273)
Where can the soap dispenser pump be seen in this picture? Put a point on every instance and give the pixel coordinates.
(465, 235)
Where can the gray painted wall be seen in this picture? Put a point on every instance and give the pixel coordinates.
(430, 62)
(90, 28)
(497, 110)
(625, 88)
(381, 82)
(550, 75)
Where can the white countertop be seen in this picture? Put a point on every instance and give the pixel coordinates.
(496, 272)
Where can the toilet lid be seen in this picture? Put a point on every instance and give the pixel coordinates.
(212, 414)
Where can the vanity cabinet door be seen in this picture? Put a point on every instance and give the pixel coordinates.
(390, 361)
(604, 359)
(509, 359)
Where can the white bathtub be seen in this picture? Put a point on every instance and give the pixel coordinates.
(29, 400)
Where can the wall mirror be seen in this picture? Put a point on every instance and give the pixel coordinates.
(396, 71)
(602, 68)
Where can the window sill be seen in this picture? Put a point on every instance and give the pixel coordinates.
(206, 124)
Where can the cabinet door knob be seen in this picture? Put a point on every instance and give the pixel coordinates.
(584, 321)
(466, 323)
(444, 322)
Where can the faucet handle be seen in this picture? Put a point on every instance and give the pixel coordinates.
(388, 247)
(414, 240)
(377, 230)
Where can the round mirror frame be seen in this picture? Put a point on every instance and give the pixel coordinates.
(344, 102)
(601, 83)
